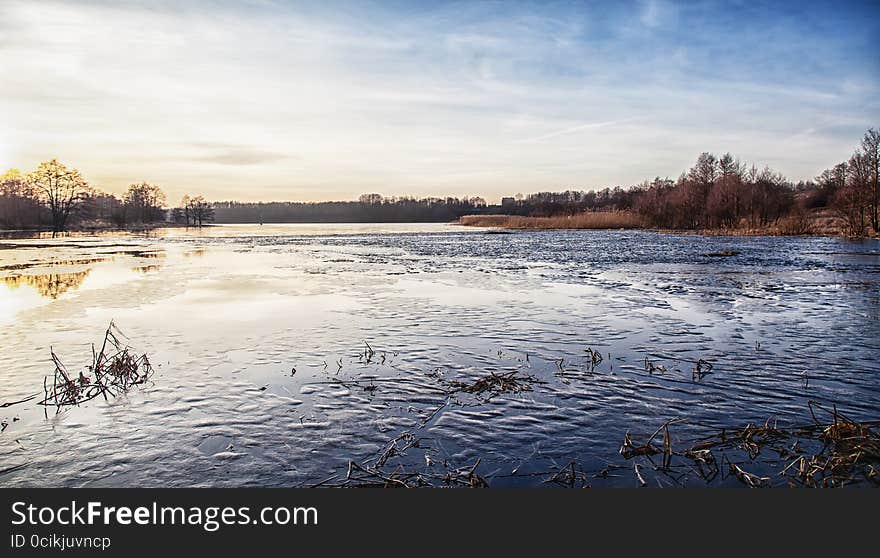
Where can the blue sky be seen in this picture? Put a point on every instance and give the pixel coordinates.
(327, 100)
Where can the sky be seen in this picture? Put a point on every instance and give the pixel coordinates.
(306, 101)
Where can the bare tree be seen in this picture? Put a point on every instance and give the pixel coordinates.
(370, 199)
(19, 207)
(722, 204)
(104, 208)
(185, 209)
(144, 202)
(196, 210)
(852, 200)
(871, 149)
(60, 188)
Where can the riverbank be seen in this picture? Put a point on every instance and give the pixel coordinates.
(821, 223)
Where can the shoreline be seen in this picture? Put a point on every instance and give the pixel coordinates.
(101, 229)
(501, 223)
(626, 221)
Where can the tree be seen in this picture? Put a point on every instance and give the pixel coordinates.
(700, 180)
(60, 189)
(178, 216)
(196, 210)
(853, 200)
(370, 199)
(104, 208)
(871, 149)
(826, 187)
(19, 208)
(722, 203)
(185, 210)
(144, 202)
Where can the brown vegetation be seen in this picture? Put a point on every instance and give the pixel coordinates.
(833, 452)
(718, 195)
(114, 370)
(587, 220)
(801, 223)
(506, 382)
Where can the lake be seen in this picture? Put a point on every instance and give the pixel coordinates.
(284, 354)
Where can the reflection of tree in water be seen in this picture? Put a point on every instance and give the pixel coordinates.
(140, 253)
(195, 252)
(147, 268)
(50, 285)
(148, 254)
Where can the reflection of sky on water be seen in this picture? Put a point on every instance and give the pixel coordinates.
(53, 271)
(14, 299)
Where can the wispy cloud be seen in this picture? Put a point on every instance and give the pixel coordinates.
(573, 130)
(235, 155)
(658, 13)
(446, 98)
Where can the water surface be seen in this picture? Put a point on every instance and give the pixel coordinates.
(259, 335)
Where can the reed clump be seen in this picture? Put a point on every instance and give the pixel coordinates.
(496, 383)
(363, 476)
(114, 370)
(377, 473)
(832, 451)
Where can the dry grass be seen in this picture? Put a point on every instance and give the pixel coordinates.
(820, 222)
(817, 222)
(832, 451)
(588, 220)
(114, 370)
(508, 382)
(798, 223)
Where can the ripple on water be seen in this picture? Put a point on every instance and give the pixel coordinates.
(228, 317)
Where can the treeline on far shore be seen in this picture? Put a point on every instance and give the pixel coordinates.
(57, 197)
(369, 208)
(718, 193)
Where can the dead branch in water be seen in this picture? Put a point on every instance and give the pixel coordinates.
(571, 475)
(361, 475)
(114, 370)
(25, 400)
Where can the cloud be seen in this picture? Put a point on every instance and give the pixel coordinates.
(573, 130)
(236, 155)
(439, 98)
(658, 13)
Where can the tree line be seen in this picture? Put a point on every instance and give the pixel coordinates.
(722, 192)
(369, 208)
(717, 192)
(57, 197)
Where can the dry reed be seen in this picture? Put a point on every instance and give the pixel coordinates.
(114, 370)
(586, 220)
(833, 452)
